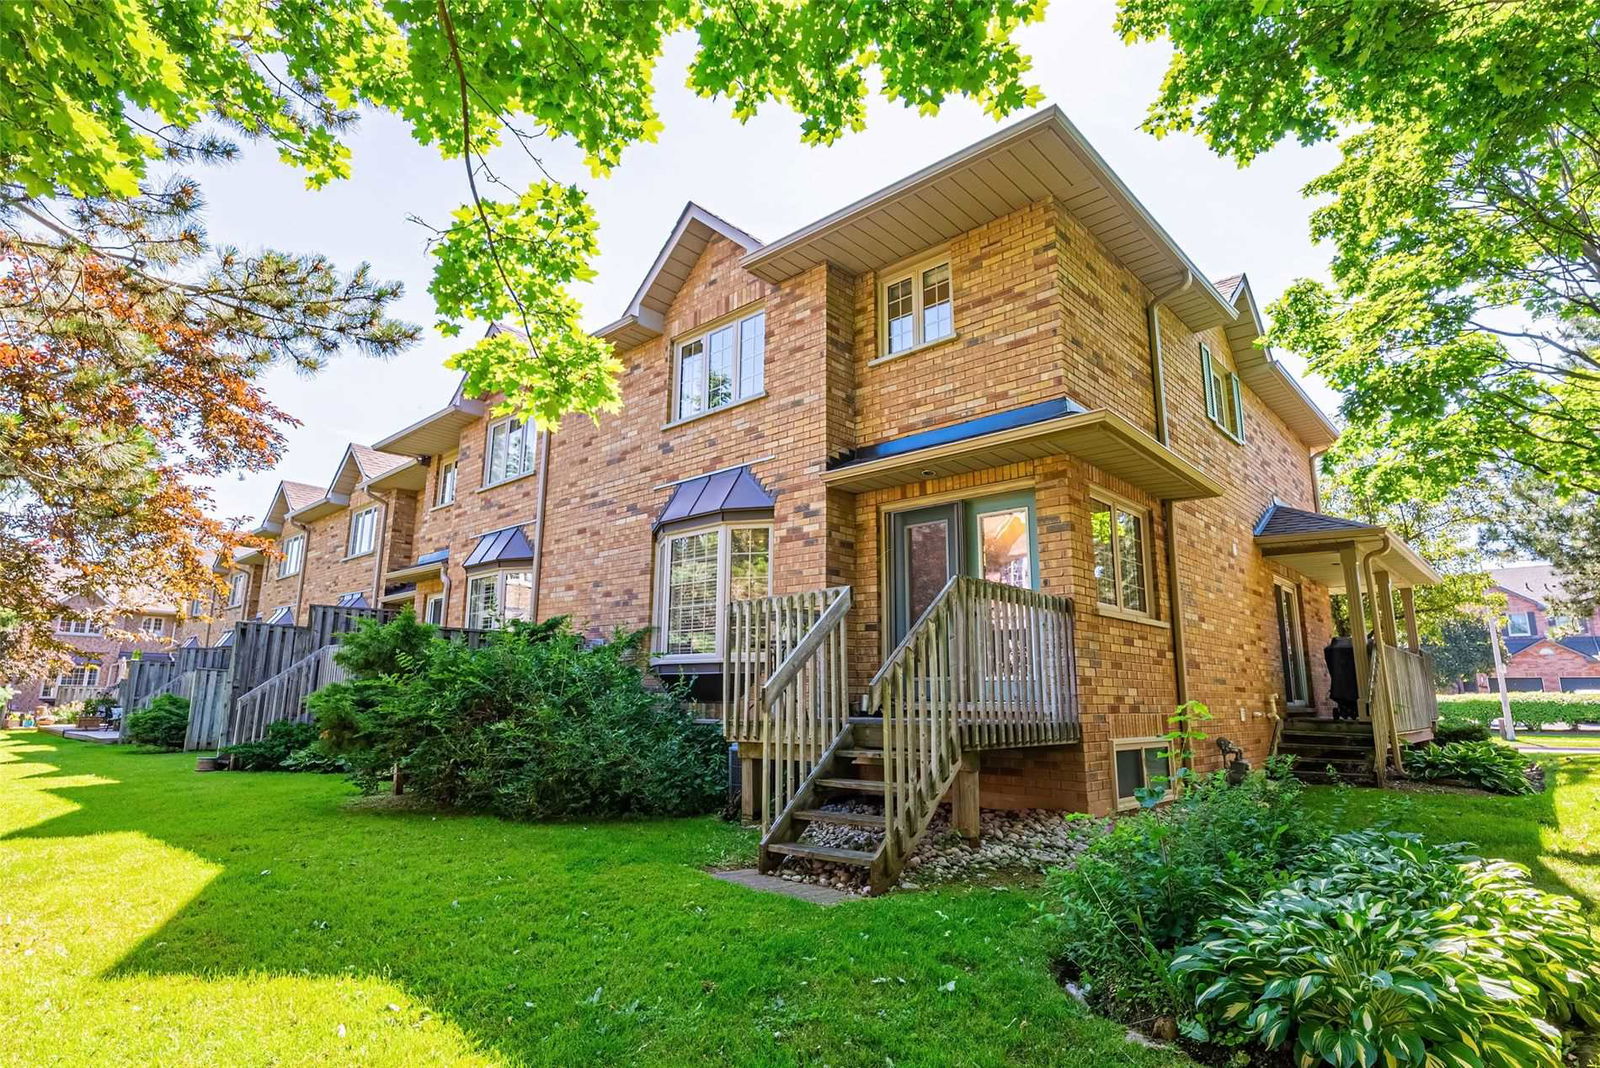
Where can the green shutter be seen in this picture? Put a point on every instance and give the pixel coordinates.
(1238, 406)
(1213, 409)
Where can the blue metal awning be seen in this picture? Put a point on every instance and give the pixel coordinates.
(508, 546)
(722, 495)
(353, 600)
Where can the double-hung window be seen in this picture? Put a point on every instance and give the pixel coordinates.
(510, 452)
(153, 626)
(700, 573)
(238, 585)
(1224, 399)
(363, 532)
(916, 306)
(496, 597)
(721, 366)
(1121, 554)
(444, 486)
(294, 556)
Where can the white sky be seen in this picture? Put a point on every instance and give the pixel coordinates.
(758, 176)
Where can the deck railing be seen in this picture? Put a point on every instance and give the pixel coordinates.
(282, 697)
(1411, 688)
(804, 705)
(987, 665)
(761, 634)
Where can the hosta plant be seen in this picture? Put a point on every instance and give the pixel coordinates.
(1487, 765)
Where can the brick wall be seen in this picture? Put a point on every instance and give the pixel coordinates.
(103, 649)
(330, 572)
(1550, 663)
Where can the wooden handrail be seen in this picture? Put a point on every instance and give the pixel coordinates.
(759, 636)
(804, 706)
(807, 647)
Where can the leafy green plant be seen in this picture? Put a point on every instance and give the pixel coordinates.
(392, 648)
(1398, 952)
(1486, 765)
(1530, 710)
(1182, 734)
(1447, 731)
(1147, 885)
(164, 724)
(275, 749)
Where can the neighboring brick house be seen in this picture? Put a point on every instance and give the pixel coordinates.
(1547, 650)
(104, 635)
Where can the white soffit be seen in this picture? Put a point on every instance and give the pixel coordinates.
(1041, 156)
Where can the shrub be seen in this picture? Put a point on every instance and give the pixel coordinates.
(537, 723)
(1531, 710)
(1147, 885)
(1397, 953)
(1486, 765)
(374, 649)
(164, 724)
(1447, 731)
(273, 751)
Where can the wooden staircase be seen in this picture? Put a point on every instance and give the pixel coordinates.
(1330, 750)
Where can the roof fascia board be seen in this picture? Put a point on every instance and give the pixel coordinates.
(637, 314)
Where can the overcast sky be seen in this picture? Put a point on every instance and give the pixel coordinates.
(758, 176)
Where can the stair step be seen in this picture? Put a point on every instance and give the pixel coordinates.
(848, 819)
(868, 756)
(864, 786)
(812, 852)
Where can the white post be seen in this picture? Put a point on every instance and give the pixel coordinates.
(1508, 730)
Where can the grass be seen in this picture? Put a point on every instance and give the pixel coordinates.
(152, 915)
(1561, 739)
(1556, 834)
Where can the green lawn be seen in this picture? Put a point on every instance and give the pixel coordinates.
(1560, 739)
(1556, 834)
(153, 915)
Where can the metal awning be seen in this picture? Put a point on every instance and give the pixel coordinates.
(1050, 428)
(507, 546)
(352, 600)
(730, 494)
(427, 566)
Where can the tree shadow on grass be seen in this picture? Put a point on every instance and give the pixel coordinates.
(305, 924)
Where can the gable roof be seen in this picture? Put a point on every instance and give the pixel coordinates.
(288, 497)
(1539, 583)
(645, 316)
(1266, 377)
(1585, 645)
(1043, 155)
(1281, 519)
(358, 465)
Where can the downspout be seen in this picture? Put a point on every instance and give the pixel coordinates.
(538, 522)
(305, 564)
(1316, 488)
(1169, 525)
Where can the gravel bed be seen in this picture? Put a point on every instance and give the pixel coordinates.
(1011, 843)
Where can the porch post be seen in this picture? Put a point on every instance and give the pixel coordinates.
(1408, 605)
(1383, 597)
(1358, 630)
(964, 802)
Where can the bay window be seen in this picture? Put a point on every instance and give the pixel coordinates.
(699, 573)
(496, 597)
(721, 366)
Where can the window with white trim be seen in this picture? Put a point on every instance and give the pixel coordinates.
(444, 483)
(238, 586)
(294, 556)
(197, 608)
(1519, 625)
(363, 532)
(1121, 535)
(497, 597)
(721, 366)
(509, 453)
(1224, 398)
(1141, 763)
(917, 308)
(80, 676)
(77, 626)
(433, 610)
(699, 573)
(153, 626)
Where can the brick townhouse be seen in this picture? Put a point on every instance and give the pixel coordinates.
(104, 634)
(999, 373)
(1548, 650)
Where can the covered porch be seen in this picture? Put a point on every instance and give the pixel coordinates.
(1394, 688)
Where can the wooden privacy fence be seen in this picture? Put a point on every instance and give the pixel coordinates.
(761, 634)
(207, 691)
(804, 705)
(1411, 688)
(988, 666)
(283, 696)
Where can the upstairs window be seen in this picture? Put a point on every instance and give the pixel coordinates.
(294, 556)
(363, 532)
(77, 626)
(1519, 625)
(444, 487)
(238, 584)
(153, 626)
(510, 452)
(916, 307)
(721, 367)
(1121, 555)
(1224, 400)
